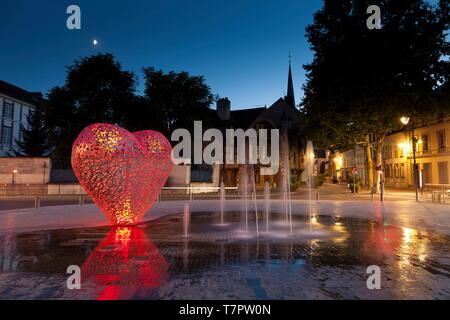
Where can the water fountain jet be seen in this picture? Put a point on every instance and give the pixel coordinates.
(255, 200)
(267, 203)
(246, 196)
(222, 205)
(186, 220)
(309, 170)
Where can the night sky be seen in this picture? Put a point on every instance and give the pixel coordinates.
(241, 47)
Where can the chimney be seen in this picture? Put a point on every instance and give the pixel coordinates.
(223, 108)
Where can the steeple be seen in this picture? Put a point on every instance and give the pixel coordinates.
(290, 97)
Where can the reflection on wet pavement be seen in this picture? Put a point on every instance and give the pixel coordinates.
(155, 261)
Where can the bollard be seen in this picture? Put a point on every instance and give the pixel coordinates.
(37, 202)
(81, 200)
(317, 196)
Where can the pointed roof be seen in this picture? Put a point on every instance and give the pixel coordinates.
(290, 97)
(20, 94)
(244, 118)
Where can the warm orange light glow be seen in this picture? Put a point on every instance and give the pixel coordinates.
(339, 161)
(123, 234)
(405, 146)
(407, 234)
(404, 120)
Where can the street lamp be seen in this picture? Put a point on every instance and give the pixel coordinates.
(406, 121)
(45, 169)
(14, 173)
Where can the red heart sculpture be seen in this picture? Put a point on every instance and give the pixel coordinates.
(122, 172)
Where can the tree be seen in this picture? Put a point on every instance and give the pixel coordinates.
(175, 100)
(96, 90)
(362, 81)
(34, 138)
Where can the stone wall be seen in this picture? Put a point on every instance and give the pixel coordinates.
(31, 176)
(65, 189)
(25, 170)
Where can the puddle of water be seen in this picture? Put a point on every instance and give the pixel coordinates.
(155, 261)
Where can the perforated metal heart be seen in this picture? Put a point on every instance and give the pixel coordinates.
(122, 172)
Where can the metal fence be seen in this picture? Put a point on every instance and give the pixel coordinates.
(76, 192)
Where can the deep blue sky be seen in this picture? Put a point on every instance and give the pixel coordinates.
(240, 46)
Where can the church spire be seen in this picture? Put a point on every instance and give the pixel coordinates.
(290, 97)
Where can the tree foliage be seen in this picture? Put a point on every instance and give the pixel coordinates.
(362, 81)
(96, 90)
(177, 99)
(34, 142)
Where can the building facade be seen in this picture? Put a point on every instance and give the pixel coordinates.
(282, 115)
(432, 157)
(344, 165)
(25, 170)
(15, 106)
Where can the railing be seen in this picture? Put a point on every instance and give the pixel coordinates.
(191, 191)
(437, 192)
(40, 192)
(14, 190)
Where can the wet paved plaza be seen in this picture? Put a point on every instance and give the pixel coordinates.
(157, 261)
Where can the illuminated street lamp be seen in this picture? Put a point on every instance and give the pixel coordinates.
(14, 173)
(405, 121)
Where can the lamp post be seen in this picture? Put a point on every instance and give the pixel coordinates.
(406, 121)
(45, 171)
(14, 173)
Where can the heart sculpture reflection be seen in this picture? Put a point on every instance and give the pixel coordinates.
(122, 172)
(125, 265)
